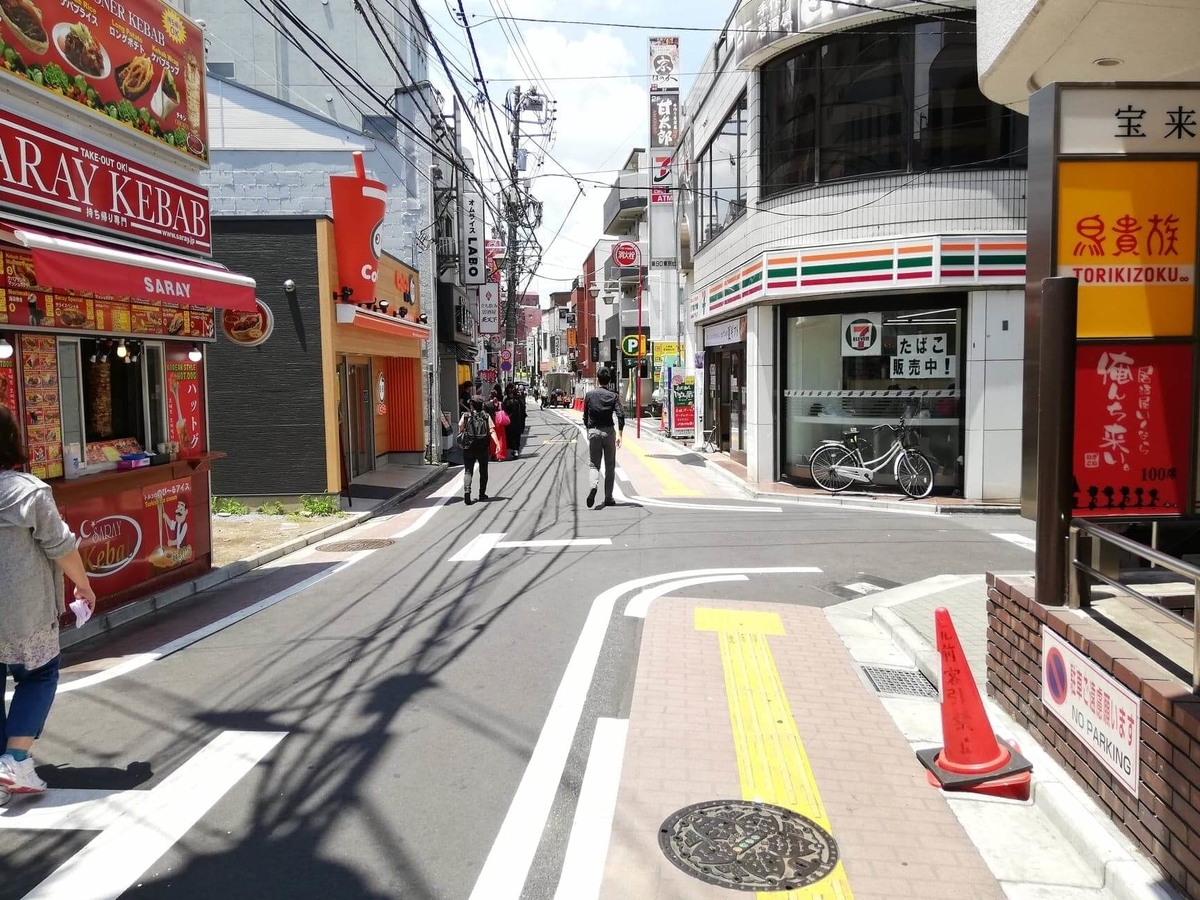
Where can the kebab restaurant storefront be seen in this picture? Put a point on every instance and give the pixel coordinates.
(106, 302)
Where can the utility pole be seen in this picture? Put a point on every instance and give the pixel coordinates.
(512, 215)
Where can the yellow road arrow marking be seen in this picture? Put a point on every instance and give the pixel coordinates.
(772, 764)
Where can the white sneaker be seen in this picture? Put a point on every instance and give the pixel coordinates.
(5, 796)
(20, 777)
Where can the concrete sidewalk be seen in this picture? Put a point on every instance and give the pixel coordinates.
(903, 619)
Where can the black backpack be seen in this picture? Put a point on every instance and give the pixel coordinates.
(476, 430)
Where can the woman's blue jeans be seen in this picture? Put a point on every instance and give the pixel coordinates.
(31, 702)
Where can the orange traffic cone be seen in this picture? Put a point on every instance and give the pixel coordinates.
(972, 758)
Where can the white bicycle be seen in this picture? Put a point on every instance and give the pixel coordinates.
(835, 465)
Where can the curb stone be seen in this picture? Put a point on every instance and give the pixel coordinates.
(1081, 823)
(848, 502)
(70, 637)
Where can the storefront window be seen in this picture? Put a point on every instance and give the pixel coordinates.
(902, 96)
(860, 370)
(112, 396)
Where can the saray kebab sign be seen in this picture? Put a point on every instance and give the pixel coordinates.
(73, 180)
(138, 63)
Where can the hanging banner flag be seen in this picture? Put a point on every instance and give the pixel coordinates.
(472, 249)
(489, 308)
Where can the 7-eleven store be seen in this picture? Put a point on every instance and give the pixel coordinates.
(802, 345)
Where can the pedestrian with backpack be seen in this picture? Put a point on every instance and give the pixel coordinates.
(476, 435)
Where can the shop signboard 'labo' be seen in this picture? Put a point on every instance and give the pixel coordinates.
(137, 65)
(79, 182)
(474, 271)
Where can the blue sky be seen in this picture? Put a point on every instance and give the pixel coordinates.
(599, 77)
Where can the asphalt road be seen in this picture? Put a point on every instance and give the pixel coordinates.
(407, 694)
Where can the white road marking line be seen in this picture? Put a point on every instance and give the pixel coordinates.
(1020, 540)
(587, 850)
(507, 865)
(697, 507)
(556, 543)
(640, 605)
(482, 544)
(110, 864)
(478, 547)
(69, 810)
(863, 587)
(135, 662)
(622, 476)
(847, 507)
(935, 584)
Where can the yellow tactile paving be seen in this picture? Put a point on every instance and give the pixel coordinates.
(772, 764)
(671, 486)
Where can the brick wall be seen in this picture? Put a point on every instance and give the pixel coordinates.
(1164, 819)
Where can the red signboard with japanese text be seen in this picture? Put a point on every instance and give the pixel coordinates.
(1133, 420)
(185, 402)
(79, 182)
(137, 64)
(8, 383)
(129, 537)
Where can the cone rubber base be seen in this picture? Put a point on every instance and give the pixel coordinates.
(1012, 780)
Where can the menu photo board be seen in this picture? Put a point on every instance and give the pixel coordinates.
(138, 63)
(43, 417)
(23, 302)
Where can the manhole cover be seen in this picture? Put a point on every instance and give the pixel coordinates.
(748, 846)
(356, 546)
(903, 682)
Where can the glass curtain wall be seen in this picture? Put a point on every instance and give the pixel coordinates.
(911, 367)
(722, 176)
(902, 96)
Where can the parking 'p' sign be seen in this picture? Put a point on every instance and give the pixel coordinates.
(627, 254)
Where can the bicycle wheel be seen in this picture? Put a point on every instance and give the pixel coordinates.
(822, 464)
(914, 474)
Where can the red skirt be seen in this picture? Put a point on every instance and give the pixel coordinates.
(502, 453)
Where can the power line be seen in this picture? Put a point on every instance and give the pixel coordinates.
(712, 29)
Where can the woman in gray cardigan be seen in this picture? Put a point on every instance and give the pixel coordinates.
(35, 543)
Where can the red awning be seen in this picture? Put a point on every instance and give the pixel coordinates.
(89, 267)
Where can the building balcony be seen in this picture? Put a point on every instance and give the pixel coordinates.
(626, 203)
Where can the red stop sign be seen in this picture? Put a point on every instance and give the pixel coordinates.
(626, 254)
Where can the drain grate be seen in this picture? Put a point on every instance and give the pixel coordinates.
(356, 546)
(748, 846)
(900, 682)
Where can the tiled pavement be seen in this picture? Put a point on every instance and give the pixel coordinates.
(681, 750)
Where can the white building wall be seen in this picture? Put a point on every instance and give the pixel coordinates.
(760, 394)
(995, 349)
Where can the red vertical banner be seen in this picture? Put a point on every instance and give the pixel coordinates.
(1133, 426)
(187, 424)
(8, 383)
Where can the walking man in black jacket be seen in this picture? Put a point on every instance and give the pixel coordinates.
(600, 407)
